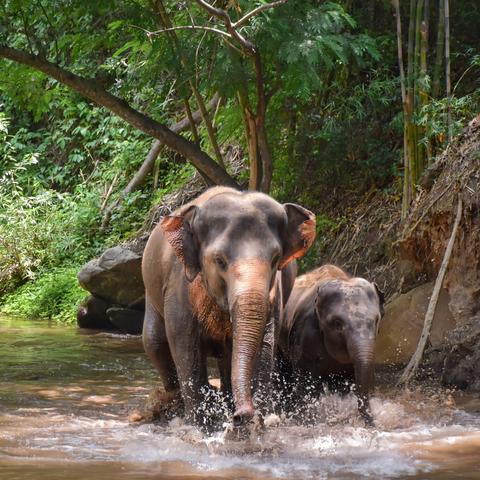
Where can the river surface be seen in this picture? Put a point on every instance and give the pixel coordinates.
(65, 397)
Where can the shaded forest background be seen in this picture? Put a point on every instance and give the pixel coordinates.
(106, 107)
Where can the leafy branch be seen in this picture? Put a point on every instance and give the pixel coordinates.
(93, 91)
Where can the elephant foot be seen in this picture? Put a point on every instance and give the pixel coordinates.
(365, 412)
(255, 427)
(160, 406)
(243, 415)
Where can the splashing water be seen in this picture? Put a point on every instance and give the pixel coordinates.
(65, 398)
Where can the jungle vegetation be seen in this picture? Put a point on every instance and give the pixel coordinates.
(106, 106)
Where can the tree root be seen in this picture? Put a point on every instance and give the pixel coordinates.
(412, 366)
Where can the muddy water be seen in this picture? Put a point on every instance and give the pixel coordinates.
(65, 397)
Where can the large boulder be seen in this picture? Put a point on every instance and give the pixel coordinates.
(92, 313)
(115, 276)
(127, 320)
(402, 324)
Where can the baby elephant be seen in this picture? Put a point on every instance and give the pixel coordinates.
(328, 332)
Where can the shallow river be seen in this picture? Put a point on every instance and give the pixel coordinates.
(65, 396)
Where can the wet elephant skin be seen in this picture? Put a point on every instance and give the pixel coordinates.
(213, 274)
(327, 333)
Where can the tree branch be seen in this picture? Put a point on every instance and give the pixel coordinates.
(92, 90)
(147, 166)
(256, 11)
(216, 12)
(167, 24)
(191, 27)
(412, 366)
(248, 46)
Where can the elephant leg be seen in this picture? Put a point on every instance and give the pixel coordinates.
(225, 369)
(190, 359)
(157, 348)
(263, 373)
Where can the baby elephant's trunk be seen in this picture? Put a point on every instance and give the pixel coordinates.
(363, 359)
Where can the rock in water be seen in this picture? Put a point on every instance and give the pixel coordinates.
(115, 276)
(127, 320)
(92, 313)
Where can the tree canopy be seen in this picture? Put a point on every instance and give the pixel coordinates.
(107, 104)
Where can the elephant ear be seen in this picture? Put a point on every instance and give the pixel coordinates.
(300, 233)
(179, 233)
(381, 298)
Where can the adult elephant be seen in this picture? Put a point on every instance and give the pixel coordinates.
(328, 332)
(210, 273)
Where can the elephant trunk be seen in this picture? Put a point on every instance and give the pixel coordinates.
(249, 311)
(363, 360)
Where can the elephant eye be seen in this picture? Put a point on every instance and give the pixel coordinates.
(275, 260)
(336, 323)
(221, 262)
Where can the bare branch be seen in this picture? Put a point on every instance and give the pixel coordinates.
(248, 46)
(216, 12)
(412, 366)
(191, 27)
(256, 11)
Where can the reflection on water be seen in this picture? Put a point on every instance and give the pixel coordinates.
(65, 397)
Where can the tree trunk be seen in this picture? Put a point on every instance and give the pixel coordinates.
(255, 177)
(263, 148)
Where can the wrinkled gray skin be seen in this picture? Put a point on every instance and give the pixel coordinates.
(328, 332)
(214, 288)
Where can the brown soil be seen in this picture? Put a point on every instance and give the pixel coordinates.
(362, 243)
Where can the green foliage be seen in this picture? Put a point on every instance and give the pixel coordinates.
(433, 116)
(55, 295)
(174, 177)
(324, 226)
(49, 212)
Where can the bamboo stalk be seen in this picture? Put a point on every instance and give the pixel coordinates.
(447, 71)
(437, 72)
(423, 94)
(406, 163)
(410, 128)
(416, 95)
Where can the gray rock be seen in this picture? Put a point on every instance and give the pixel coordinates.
(456, 360)
(115, 276)
(92, 313)
(126, 320)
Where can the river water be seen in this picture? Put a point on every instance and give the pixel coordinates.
(65, 397)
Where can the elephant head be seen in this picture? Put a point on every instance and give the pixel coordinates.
(236, 242)
(349, 312)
